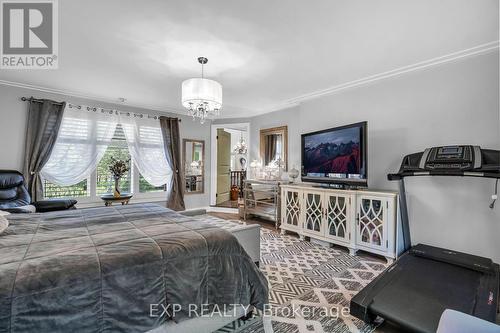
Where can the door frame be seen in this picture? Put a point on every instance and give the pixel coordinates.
(213, 154)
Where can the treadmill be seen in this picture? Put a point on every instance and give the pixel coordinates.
(414, 291)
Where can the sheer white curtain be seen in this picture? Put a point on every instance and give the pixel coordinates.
(81, 143)
(145, 144)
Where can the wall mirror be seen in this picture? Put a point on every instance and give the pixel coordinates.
(274, 146)
(194, 165)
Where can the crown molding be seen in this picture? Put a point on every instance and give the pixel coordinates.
(292, 102)
(473, 51)
(96, 98)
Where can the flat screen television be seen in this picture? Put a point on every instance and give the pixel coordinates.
(336, 155)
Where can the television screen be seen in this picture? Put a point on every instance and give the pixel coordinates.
(335, 155)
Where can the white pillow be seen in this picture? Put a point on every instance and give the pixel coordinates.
(2, 212)
(4, 223)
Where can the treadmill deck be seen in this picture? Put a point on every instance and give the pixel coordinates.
(414, 292)
(420, 293)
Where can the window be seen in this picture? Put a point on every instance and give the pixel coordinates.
(145, 187)
(117, 149)
(74, 191)
(105, 183)
(88, 140)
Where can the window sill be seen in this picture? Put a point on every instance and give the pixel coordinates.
(139, 198)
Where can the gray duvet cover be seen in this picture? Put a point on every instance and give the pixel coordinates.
(115, 269)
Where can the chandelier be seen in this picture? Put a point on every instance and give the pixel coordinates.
(202, 97)
(241, 146)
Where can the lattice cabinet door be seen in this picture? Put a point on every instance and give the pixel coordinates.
(338, 217)
(371, 224)
(313, 212)
(291, 212)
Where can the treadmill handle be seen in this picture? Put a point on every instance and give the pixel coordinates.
(394, 176)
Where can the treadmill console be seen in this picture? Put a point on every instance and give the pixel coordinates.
(451, 158)
(457, 160)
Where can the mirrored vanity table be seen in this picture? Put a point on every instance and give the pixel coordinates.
(194, 165)
(262, 198)
(261, 195)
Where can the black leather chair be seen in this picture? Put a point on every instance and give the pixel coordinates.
(14, 197)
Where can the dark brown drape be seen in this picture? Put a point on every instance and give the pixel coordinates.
(44, 120)
(172, 144)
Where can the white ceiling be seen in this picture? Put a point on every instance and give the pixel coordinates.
(263, 52)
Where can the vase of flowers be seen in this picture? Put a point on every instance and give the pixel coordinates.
(118, 168)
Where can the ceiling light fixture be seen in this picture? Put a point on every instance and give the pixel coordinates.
(202, 97)
(241, 146)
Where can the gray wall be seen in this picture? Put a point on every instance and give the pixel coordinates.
(13, 115)
(455, 103)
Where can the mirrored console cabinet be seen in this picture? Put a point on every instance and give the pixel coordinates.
(357, 219)
(262, 198)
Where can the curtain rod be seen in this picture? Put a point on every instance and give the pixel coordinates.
(27, 99)
(95, 109)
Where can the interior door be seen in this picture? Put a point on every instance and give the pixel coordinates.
(223, 166)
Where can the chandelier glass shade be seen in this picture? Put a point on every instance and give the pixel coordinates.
(202, 97)
(241, 146)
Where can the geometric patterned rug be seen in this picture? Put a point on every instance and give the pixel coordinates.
(310, 287)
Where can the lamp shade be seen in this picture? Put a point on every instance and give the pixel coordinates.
(202, 91)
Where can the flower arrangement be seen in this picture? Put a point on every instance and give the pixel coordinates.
(118, 168)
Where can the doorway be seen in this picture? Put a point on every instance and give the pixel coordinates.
(229, 162)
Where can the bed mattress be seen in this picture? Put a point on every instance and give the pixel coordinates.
(102, 269)
(248, 235)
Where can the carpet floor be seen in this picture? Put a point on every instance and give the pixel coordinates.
(310, 287)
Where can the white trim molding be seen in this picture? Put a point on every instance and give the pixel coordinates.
(292, 102)
(67, 93)
(92, 97)
(226, 210)
(473, 51)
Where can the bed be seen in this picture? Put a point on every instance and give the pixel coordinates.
(116, 268)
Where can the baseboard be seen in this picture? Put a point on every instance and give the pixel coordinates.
(222, 210)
